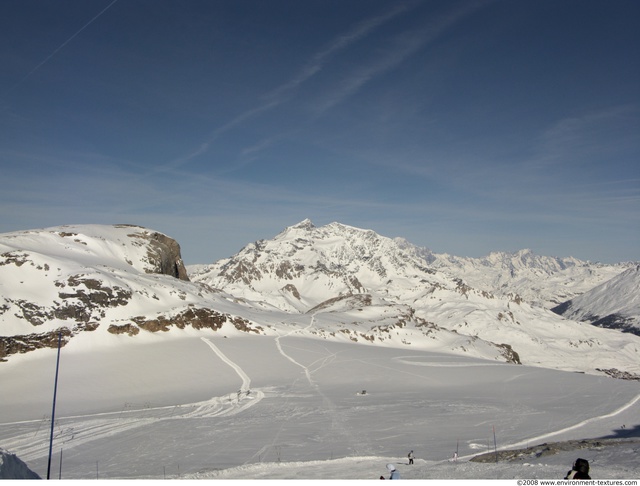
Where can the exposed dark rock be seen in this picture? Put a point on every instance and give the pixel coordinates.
(509, 354)
(292, 290)
(15, 257)
(164, 254)
(355, 284)
(129, 329)
(289, 270)
(33, 313)
(97, 294)
(22, 344)
(357, 300)
(245, 272)
(621, 375)
(462, 287)
(200, 318)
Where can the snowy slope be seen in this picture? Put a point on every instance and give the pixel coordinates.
(311, 269)
(104, 280)
(323, 353)
(614, 304)
(211, 405)
(122, 283)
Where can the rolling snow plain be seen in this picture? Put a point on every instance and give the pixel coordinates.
(226, 405)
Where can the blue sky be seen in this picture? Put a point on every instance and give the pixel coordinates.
(464, 126)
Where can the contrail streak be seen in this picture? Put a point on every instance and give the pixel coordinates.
(61, 46)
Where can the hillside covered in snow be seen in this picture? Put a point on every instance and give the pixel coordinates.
(109, 281)
(614, 304)
(325, 352)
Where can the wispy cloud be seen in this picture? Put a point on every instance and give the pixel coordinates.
(399, 50)
(342, 42)
(282, 93)
(588, 134)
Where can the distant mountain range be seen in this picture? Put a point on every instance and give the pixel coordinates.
(99, 285)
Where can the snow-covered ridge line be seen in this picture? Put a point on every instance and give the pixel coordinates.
(121, 283)
(614, 304)
(346, 274)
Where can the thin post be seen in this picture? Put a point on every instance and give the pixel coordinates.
(60, 471)
(53, 411)
(495, 443)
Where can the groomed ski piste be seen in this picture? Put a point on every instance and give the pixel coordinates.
(230, 406)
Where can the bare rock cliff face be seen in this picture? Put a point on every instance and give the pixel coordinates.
(164, 252)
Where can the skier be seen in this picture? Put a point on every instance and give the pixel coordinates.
(394, 472)
(410, 456)
(580, 470)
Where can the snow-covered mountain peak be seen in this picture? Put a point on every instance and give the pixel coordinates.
(345, 275)
(305, 224)
(332, 282)
(321, 263)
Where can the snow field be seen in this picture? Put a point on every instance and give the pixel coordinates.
(203, 405)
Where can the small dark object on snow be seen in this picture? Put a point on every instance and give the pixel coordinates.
(580, 470)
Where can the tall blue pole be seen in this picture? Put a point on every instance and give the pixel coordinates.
(53, 412)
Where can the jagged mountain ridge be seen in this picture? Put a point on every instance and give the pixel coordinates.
(344, 251)
(538, 279)
(614, 304)
(306, 266)
(99, 286)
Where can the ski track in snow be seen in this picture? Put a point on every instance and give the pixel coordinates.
(93, 428)
(576, 426)
(225, 406)
(339, 422)
(284, 354)
(539, 438)
(246, 381)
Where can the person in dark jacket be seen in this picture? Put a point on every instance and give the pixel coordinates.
(580, 470)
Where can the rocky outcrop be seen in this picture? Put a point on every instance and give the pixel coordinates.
(81, 274)
(509, 354)
(24, 343)
(621, 375)
(164, 255)
(129, 329)
(200, 318)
